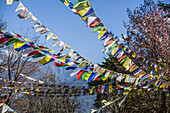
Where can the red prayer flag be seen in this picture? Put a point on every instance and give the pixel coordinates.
(33, 53)
(3, 39)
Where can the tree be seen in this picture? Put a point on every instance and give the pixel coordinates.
(148, 36)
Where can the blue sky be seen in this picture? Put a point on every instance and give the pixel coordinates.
(61, 21)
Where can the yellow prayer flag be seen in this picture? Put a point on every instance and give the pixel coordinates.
(29, 16)
(62, 59)
(91, 90)
(45, 60)
(127, 77)
(114, 50)
(34, 18)
(102, 32)
(2, 31)
(66, 2)
(137, 80)
(70, 91)
(125, 92)
(83, 63)
(84, 18)
(27, 40)
(50, 50)
(126, 64)
(156, 89)
(18, 44)
(142, 74)
(82, 8)
(110, 88)
(9, 2)
(124, 49)
(105, 78)
(161, 86)
(133, 55)
(88, 75)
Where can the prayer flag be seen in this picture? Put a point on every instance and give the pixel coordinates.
(84, 75)
(33, 53)
(20, 7)
(91, 18)
(3, 39)
(94, 23)
(45, 60)
(126, 64)
(9, 2)
(102, 32)
(38, 55)
(114, 50)
(23, 13)
(75, 72)
(92, 76)
(40, 28)
(50, 34)
(87, 76)
(44, 31)
(79, 74)
(23, 47)
(37, 24)
(29, 16)
(11, 41)
(98, 27)
(66, 2)
(90, 11)
(82, 7)
(18, 44)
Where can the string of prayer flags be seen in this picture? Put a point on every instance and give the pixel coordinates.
(42, 29)
(103, 34)
(140, 58)
(80, 89)
(28, 77)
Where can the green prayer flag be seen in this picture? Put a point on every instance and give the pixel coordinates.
(98, 27)
(78, 2)
(38, 55)
(101, 78)
(11, 42)
(84, 75)
(36, 47)
(123, 60)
